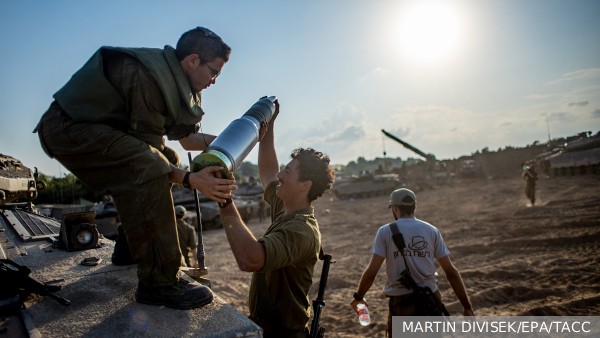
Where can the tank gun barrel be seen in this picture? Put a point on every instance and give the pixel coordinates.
(427, 157)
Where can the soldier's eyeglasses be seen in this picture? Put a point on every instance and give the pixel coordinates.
(213, 71)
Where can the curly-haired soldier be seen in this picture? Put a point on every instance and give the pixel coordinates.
(283, 259)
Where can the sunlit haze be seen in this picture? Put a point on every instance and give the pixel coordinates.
(449, 77)
(430, 32)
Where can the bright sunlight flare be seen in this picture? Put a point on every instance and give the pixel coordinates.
(429, 32)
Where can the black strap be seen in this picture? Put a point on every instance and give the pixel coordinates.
(397, 236)
(399, 241)
(186, 180)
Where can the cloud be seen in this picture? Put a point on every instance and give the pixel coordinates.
(332, 123)
(341, 133)
(574, 95)
(589, 73)
(558, 116)
(399, 132)
(430, 119)
(580, 103)
(373, 75)
(539, 96)
(350, 130)
(344, 115)
(350, 134)
(443, 131)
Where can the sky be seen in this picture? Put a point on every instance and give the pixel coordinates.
(449, 77)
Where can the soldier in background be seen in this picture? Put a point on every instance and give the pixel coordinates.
(262, 209)
(530, 176)
(188, 241)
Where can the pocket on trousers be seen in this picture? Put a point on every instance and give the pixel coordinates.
(42, 142)
(144, 162)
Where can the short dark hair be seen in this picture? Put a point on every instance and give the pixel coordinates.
(314, 166)
(406, 210)
(204, 42)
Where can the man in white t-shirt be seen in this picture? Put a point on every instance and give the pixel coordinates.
(424, 246)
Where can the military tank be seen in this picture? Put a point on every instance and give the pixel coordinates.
(577, 157)
(17, 182)
(425, 175)
(366, 185)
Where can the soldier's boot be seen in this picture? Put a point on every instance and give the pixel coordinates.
(121, 254)
(182, 295)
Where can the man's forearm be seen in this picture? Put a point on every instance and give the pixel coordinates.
(366, 281)
(268, 167)
(176, 175)
(248, 252)
(368, 276)
(458, 286)
(196, 141)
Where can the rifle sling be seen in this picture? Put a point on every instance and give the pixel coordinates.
(399, 241)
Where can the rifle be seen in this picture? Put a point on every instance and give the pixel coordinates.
(15, 279)
(200, 254)
(429, 304)
(318, 304)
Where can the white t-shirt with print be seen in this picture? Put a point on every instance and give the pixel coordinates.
(424, 246)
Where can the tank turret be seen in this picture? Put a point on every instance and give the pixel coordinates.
(367, 185)
(578, 156)
(17, 182)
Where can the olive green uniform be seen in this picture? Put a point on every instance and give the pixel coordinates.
(278, 298)
(187, 239)
(530, 177)
(106, 126)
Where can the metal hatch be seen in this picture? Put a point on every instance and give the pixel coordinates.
(31, 226)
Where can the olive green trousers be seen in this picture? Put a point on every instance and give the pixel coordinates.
(136, 174)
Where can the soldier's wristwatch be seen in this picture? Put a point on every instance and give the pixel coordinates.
(186, 180)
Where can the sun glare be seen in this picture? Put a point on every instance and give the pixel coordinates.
(429, 32)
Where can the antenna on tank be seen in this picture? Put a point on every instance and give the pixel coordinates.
(548, 129)
(385, 166)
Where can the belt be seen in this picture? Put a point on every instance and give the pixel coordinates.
(403, 298)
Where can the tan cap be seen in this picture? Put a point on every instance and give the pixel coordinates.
(403, 197)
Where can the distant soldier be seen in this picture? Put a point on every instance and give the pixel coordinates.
(187, 237)
(261, 210)
(424, 252)
(530, 176)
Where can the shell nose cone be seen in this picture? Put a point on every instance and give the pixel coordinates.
(263, 109)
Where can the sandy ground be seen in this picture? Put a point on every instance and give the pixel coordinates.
(515, 259)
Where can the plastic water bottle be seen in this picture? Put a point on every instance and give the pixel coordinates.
(363, 314)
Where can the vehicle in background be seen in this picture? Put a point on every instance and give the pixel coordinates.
(247, 200)
(426, 174)
(366, 185)
(469, 168)
(579, 156)
(17, 182)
